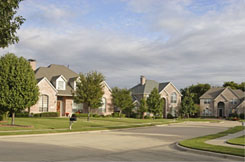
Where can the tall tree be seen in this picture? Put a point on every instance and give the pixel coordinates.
(188, 107)
(122, 99)
(89, 90)
(9, 23)
(142, 107)
(18, 86)
(155, 103)
(196, 90)
(234, 85)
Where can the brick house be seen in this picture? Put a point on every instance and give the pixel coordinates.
(56, 84)
(170, 94)
(221, 102)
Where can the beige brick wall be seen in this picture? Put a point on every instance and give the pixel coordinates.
(46, 89)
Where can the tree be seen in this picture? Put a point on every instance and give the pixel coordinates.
(8, 22)
(122, 99)
(143, 107)
(89, 90)
(234, 85)
(188, 107)
(197, 91)
(18, 86)
(155, 103)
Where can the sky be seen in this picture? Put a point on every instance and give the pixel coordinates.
(182, 41)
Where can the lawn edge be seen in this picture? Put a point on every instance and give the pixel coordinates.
(213, 151)
(236, 144)
(207, 152)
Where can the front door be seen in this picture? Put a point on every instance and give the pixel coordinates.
(220, 112)
(59, 108)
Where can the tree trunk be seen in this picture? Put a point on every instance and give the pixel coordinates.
(120, 113)
(143, 116)
(88, 113)
(29, 111)
(13, 116)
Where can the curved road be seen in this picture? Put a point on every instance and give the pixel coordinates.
(135, 144)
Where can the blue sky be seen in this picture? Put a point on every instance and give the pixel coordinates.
(182, 41)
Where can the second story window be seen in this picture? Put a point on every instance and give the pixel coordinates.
(173, 97)
(207, 101)
(61, 85)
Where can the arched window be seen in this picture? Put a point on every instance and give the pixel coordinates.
(103, 107)
(43, 103)
(173, 97)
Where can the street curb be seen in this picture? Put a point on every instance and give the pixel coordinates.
(220, 155)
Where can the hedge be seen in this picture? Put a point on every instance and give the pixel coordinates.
(47, 114)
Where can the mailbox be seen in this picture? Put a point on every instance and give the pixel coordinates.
(73, 118)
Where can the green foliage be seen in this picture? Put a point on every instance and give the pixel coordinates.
(197, 91)
(188, 107)
(242, 116)
(47, 114)
(89, 90)
(142, 108)
(18, 86)
(22, 114)
(155, 103)
(9, 23)
(234, 85)
(122, 99)
(81, 115)
(170, 116)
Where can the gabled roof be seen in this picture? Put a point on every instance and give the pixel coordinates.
(52, 72)
(212, 93)
(149, 86)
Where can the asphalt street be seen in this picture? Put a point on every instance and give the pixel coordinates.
(136, 144)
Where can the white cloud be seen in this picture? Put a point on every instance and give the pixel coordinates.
(205, 47)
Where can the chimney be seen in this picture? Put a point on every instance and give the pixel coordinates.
(33, 64)
(142, 80)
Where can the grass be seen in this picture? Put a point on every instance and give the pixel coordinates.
(199, 143)
(237, 141)
(56, 125)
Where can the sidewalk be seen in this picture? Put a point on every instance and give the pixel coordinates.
(222, 140)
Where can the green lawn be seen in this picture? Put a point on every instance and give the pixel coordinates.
(53, 125)
(237, 141)
(199, 143)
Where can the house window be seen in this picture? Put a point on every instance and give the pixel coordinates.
(233, 101)
(103, 107)
(173, 97)
(207, 112)
(43, 103)
(207, 101)
(77, 108)
(61, 85)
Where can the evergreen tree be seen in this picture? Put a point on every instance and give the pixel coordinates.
(8, 22)
(188, 107)
(89, 90)
(122, 99)
(18, 86)
(155, 103)
(143, 107)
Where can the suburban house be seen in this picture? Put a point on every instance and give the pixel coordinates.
(221, 102)
(56, 84)
(170, 94)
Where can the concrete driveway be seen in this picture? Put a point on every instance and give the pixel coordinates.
(136, 144)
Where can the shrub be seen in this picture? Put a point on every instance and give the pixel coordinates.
(1, 117)
(242, 116)
(170, 116)
(96, 115)
(81, 115)
(22, 114)
(148, 117)
(47, 114)
(158, 117)
(115, 114)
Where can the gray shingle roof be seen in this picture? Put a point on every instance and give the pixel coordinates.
(148, 87)
(52, 72)
(212, 92)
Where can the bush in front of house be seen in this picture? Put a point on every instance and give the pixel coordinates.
(22, 115)
(242, 116)
(170, 116)
(47, 114)
(81, 115)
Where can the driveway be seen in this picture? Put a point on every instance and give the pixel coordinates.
(135, 144)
